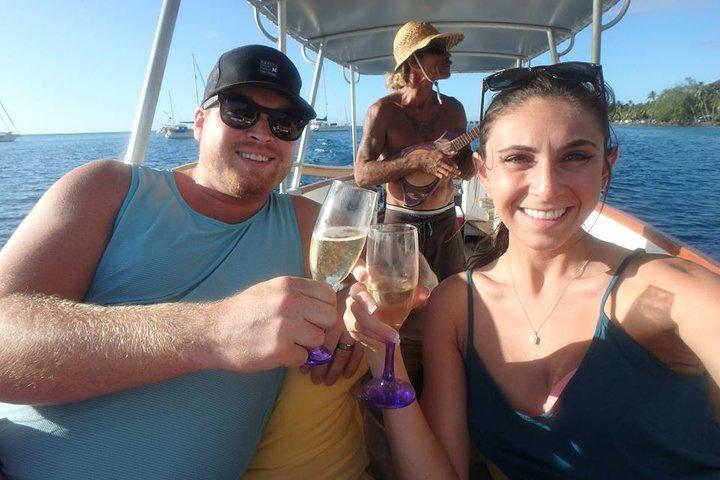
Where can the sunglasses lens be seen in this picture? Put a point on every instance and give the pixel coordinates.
(439, 48)
(507, 78)
(573, 71)
(285, 127)
(242, 113)
(238, 113)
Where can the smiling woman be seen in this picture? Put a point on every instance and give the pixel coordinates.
(549, 319)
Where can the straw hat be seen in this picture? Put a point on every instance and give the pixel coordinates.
(415, 35)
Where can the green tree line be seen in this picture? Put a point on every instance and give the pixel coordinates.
(686, 104)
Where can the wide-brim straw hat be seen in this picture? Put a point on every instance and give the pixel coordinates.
(415, 35)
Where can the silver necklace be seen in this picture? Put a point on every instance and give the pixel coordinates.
(534, 337)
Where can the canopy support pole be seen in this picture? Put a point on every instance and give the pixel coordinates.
(297, 166)
(145, 112)
(352, 113)
(282, 23)
(551, 44)
(596, 31)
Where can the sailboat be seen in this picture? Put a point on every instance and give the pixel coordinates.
(182, 129)
(322, 125)
(7, 136)
(173, 129)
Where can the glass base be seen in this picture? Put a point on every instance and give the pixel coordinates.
(382, 393)
(318, 356)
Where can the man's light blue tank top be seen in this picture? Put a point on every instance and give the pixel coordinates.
(623, 415)
(201, 425)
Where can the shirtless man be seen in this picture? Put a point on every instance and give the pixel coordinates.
(419, 187)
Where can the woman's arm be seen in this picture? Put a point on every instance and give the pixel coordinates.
(694, 306)
(417, 451)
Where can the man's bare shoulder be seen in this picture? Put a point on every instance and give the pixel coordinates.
(386, 105)
(453, 105)
(56, 248)
(107, 178)
(306, 212)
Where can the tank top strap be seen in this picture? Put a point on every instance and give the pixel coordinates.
(613, 281)
(470, 316)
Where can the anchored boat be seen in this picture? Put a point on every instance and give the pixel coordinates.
(7, 136)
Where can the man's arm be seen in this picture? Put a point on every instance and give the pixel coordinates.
(370, 171)
(56, 349)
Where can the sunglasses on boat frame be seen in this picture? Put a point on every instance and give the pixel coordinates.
(238, 111)
(580, 72)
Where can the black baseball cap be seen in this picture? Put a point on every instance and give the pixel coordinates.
(258, 66)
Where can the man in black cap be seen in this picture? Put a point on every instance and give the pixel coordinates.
(146, 316)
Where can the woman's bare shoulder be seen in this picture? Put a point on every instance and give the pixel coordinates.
(675, 275)
(667, 291)
(448, 303)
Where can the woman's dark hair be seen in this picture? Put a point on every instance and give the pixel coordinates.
(583, 95)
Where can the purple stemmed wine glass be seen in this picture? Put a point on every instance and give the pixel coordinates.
(338, 240)
(392, 269)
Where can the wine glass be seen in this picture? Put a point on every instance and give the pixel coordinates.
(338, 240)
(392, 269)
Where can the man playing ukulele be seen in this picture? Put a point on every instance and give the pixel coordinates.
(398, 147)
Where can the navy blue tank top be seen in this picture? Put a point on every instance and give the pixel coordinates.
(624, 414)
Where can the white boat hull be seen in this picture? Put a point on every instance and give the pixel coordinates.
(330, 128)
(8, 137)
(175, 135)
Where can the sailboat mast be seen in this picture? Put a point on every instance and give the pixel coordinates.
(325, 95)
(195, 70)
(9, 118)
(172, 111)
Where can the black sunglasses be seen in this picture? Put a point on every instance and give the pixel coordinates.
(238, 111)
(435, 48)
(581, 72)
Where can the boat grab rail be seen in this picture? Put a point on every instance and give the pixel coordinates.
(261, 27)
(618, 17)
(569, 47)
(303, 50)
(343, 67)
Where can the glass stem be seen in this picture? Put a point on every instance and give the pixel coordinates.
(389, 369)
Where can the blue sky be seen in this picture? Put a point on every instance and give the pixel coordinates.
(78, 66)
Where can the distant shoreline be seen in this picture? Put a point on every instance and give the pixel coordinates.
(649, 123)
(470, 125)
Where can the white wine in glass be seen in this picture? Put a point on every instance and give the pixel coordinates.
(334, 251)
(393, 297)
(338, 239)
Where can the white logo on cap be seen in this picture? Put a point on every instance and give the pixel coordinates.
(268, 68)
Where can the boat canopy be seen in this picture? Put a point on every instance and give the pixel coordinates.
(498, 33)
(359, 35)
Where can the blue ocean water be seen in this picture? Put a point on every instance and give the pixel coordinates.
(666, 176)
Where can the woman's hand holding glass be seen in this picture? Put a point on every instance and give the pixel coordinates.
(391, 279)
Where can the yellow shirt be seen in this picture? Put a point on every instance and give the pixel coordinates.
(314, 432)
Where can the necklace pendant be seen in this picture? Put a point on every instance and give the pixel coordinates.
(534, 339)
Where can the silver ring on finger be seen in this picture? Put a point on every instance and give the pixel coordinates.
(348, 347)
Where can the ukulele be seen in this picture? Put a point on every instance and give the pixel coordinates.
(417, 186)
